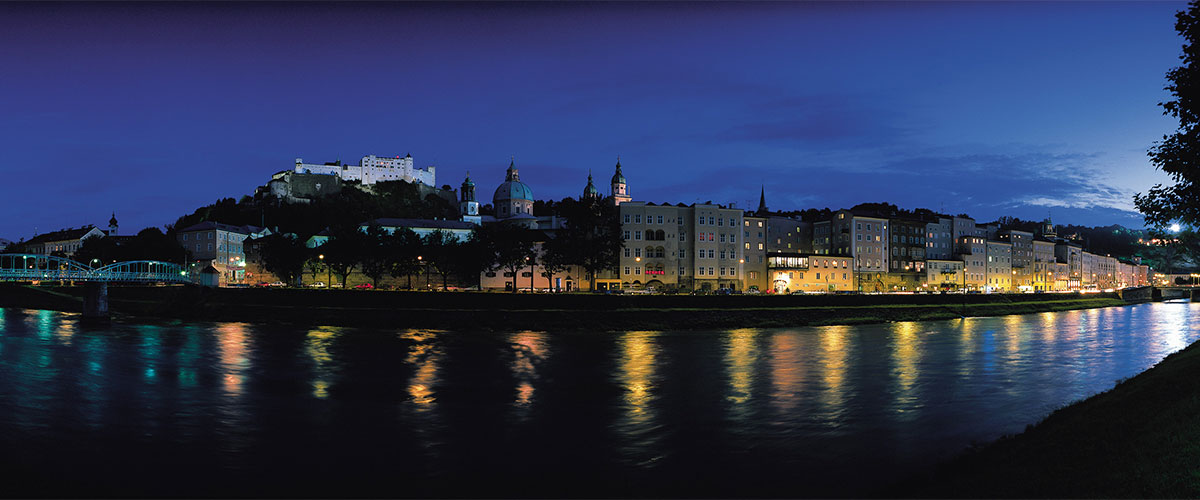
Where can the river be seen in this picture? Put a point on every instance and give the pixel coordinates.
(239, 409)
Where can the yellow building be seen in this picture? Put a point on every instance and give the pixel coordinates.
(810, 273)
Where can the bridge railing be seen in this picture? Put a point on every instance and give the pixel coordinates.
(32, 267)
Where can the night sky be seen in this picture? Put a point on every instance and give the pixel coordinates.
(153, 110)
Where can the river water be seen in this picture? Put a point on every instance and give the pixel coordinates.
(238, 409)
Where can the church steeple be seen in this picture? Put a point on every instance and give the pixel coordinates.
(620, 190)
(112, 225)
(468, 207)
(762, 202)
(590, 192)
(512, 170)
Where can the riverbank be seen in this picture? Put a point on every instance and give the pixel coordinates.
(1137, 440)
(507, 312)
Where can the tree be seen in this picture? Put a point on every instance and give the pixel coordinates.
(511, 249)
(284, 256)
(593, 234)
(1178, 154)
(403, 247)
(343, 251)
(474, 258)
(374, 256)
(556, 257)
(440, 249)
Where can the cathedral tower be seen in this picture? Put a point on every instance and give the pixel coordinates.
(468, 207)
(620, 191)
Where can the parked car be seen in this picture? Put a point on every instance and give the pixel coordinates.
(318, 284)
(364, 286)
(278, 284)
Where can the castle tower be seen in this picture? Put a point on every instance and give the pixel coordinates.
(112, 225)
(1048, 229)
(620, 191)
(762, 202)
(590, 192)
(468, 207)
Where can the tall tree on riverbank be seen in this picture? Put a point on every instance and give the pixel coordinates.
(343, 251)
(403, 247)
(441, 250)
(1178, 154)
(512, 249)
(284, 255)
(374, 254)
(594, 234)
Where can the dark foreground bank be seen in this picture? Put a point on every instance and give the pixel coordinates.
(506, 312)
(1139, 440)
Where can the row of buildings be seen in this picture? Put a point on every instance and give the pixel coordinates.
(707, 246)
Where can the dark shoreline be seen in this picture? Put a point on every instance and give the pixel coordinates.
(567, 312)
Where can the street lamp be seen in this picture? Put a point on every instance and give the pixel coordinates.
(328, 272)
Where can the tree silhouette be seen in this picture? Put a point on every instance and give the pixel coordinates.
(1178, 154)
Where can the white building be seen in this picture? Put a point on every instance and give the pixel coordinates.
(372, 169)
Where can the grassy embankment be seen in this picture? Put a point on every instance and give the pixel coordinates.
(500, 311)
(1140, 439)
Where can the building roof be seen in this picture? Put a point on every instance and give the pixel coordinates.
(420, 223)
(62, 234)
(210, 225)
(512, 188)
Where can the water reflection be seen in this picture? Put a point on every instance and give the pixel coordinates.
(423, 354)
(740, 356)
(906, 356)
(826, 407)
(787, 372)
(529, 350)
(636, 376)
(833, 353)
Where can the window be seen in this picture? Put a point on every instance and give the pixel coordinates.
(637, 236)
(682, 237)
(627, 218)
(747, 223)
(731, 222)
(760, 225)
(626, 269)
(637, 252)
(711, 254)
(682, 271)
(711, 222)
(720, 222)
(660, 219)
(625, 236)
(722, 271)
(710, 271)
(760, 245)
(637, 219)
(859, 237)
(185, 237)
(637, 270)
(748, 246)
(818, 275)
(627, 252)
(858, 226)
(844, 276)
(722, 254)
(722, 238)
(711, 237)
(682, 253)
(701, 221)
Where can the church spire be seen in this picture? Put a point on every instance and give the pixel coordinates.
(762, 201)
(512, 170)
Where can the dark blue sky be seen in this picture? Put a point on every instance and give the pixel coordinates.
(1016, 108)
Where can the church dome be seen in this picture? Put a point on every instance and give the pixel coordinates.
(512, 188)
(618, 177)
(590, 191)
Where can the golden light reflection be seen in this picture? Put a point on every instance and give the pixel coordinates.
(529, 351)
(316, 345)
(1012, 344)
(638, 351)
(833, 366)
(740, 355)
(1050, 325)
(66, 330)
(232, 347)
(906, 357)
(1172, 331)
(787, 371)
(424, 356)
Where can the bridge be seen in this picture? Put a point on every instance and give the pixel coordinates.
(20, 267)
(32, 267)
